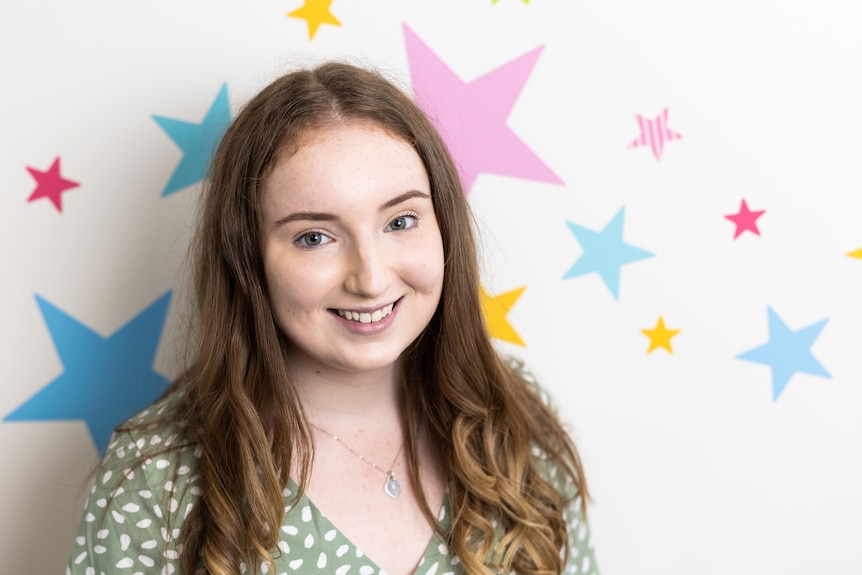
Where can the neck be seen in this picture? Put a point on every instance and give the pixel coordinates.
(338, 400)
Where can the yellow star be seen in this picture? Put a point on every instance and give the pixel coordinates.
(856, 254)
(315, 12)
(495, 308)
(660, 336)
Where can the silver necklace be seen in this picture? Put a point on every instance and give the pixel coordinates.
(392, 486)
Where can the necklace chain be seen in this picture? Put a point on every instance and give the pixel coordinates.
(392, 487)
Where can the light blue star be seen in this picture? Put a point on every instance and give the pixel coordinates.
(105, 380)
(605, 252)
(197, 141)
(787, 352)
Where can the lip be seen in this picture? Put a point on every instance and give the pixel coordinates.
(368, 328)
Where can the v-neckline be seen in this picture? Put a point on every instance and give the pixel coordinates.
(443, 516)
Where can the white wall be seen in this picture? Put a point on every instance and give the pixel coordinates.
(694, 465)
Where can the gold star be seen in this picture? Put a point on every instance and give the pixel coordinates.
(315, 12)
(659, 336)
(495, 308)
(856, 254)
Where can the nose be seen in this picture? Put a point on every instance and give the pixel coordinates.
(367, 272)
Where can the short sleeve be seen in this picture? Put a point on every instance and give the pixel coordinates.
(132, 517)
(581, 556)
(581, 559)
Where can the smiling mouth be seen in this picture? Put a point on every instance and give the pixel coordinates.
(366, 317)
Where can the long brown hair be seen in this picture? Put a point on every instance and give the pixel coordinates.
(243, 413)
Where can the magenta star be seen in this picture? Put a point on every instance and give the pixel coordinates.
(654, 133)
(472, 116)
(745, 220)
(50, 184)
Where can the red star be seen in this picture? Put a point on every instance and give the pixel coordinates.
(745, 220)
(50, 184)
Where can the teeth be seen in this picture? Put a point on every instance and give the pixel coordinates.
(366, 317)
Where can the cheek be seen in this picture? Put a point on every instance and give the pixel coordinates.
(428, 276)
(288, 287)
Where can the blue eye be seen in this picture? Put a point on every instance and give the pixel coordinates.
(313, 239)
(404, 222)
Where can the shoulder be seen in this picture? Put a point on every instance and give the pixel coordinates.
(149, 468)
(554, 473)
(520, 368)
(141, 492)
(536, 387)
(557, 472)
(153, 448)
(552, 469)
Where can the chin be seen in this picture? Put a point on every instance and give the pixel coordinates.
(369, 364)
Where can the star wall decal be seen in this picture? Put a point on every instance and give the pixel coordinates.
(660, 336)
(654, 133)
(105, 380)
(315, 13)
(856, 254)
(787, 352)
(50, 184)
(605, 252)
(197, 141)
(745, 220)
(495, 309)
(471, 116)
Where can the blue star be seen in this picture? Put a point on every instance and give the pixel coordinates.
(197, 141)
(605, 252)
(787, 352)
(105, 380)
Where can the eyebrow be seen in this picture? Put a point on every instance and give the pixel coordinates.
(312, 216)
(403, 198)
(325, 217)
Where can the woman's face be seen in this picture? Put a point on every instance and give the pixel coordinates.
(352, 250)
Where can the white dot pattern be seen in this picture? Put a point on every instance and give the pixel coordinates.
(124, 528)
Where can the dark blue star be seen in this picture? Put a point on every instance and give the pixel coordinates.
(197, 141)
(787, 352)
(105, 380)
(605, 252)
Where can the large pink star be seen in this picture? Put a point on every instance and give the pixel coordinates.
(745, 220)
(471, 116)
(50, 184)
(654, 133)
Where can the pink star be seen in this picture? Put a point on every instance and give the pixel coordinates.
(50, 184)
(745, 220)
(471, 116)
(654, 133)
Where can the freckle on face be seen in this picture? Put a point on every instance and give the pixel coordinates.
(349, 171)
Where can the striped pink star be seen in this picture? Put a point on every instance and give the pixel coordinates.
(654, 133)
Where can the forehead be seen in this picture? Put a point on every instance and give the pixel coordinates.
(333, 163)
(337, 138)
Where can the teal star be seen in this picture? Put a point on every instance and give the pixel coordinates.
(105, 380)
(605, 252)
(787, 352)
(197, 141)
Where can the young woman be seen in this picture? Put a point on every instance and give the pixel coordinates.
(344, 411)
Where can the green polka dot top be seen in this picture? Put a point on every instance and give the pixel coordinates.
(125, 525)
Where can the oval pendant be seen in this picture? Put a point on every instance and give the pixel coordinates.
(392, 487)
